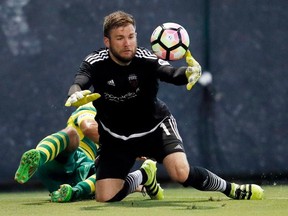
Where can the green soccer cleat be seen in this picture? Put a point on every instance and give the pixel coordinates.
(63, 194)
(153, 189)
(246, 191)
(28, 166)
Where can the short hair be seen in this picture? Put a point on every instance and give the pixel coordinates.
(115, 20)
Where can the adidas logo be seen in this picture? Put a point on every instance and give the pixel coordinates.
(111, 83)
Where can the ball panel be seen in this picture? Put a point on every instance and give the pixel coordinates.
(184, 37)
(155, 35)
(170, 38)
(178, 53)
(159, 51)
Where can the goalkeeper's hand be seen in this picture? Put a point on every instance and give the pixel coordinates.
(80, 98)
(193, 71)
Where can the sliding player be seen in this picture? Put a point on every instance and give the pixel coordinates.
(64, 161)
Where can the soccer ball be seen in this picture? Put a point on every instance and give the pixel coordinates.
(170, 41)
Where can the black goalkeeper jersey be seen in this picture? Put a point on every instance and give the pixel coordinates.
(128, 102)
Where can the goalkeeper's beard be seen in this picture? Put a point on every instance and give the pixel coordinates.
(121, 59)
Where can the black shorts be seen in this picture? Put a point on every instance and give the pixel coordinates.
(117, 156)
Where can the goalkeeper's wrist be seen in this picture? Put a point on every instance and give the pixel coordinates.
(74, 88)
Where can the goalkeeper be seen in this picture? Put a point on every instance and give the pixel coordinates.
(65, 167)
(127, 78)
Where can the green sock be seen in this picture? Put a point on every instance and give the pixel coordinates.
(85, 189)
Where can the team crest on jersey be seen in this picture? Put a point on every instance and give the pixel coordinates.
(111, 82)
(133, 80)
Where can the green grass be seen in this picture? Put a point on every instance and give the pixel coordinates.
(177, 202)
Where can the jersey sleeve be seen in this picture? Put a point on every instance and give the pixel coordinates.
(86, 73)
(164, 70)
(168, 73)
(83, 76)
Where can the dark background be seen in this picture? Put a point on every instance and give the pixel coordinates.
(236, 127)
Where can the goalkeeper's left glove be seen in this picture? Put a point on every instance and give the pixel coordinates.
(193, 71)
(80, 98)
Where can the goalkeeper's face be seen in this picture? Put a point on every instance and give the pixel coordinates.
(122, 44)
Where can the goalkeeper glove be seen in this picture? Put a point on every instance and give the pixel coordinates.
(80, 98)
(193, 71)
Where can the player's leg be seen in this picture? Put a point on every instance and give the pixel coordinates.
(89, 128)
(83, 190)
(85, 182)
(179, 170)
(113, 183)
(82, 182)
(203, 179)
(152, 187)
(200, 178)
(46, 150)
(112, 190)
(67, 177)
(117, 157)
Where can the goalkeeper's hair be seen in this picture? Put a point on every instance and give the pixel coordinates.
(115, 20)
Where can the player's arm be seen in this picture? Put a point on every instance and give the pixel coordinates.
(74, 88)
(81, 79)
(78, 93)
(188, 75)
(89, 127)
(87, 123)
(170, 74)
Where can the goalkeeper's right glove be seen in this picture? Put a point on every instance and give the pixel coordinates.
(80, 98)
(193, 71)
